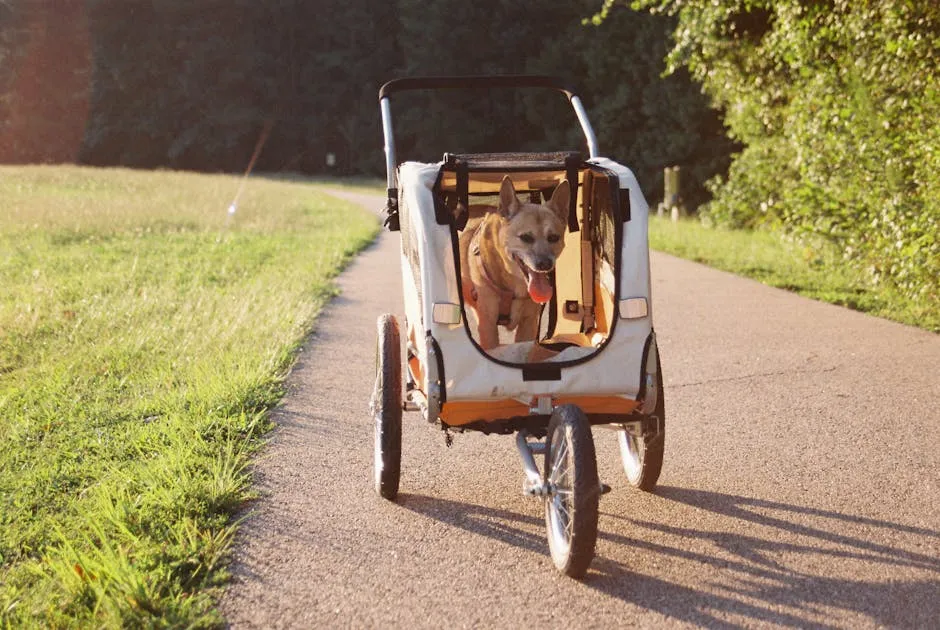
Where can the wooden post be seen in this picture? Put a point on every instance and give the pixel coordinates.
(672, 198)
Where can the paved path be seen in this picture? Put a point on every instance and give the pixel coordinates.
(801, 486)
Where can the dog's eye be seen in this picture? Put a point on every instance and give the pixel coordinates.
(527, 238)
(553, 238)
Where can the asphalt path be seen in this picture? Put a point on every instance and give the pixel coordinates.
(801, 484)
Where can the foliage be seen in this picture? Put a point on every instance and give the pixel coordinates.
(836, 103)
(640, 118)
(813, 271)
(191, 85)
(142, 342)
(43, 46)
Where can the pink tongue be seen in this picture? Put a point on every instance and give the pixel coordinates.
(540, 289)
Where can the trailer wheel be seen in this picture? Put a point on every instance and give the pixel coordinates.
(387, 408)
(642, 455)
(573, 490)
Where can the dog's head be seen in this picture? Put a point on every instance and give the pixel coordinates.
(533, 235)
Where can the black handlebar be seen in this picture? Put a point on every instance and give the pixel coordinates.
(498, 81)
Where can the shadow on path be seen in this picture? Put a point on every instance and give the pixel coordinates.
(761, 585)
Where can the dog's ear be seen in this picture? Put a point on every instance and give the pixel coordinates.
(508, 202)
(560, 200)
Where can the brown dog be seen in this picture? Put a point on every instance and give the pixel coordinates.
(505, 259)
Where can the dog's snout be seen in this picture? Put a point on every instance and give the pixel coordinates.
(543, 264)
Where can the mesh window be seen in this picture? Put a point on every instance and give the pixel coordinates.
(603, 221)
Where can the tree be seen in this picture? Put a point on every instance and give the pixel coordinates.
(191, 85)
(837, 104)
(42, 45)
(641, 118)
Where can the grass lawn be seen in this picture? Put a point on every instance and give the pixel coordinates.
(814, 272)
(142, 341)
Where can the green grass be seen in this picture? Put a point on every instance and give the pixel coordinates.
(142, 343)
(355, 183)
(815, 272)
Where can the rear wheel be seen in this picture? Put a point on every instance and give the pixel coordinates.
(387, 408)
(573, 488)
(642, 455)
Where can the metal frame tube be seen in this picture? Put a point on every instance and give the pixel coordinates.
(438, 82)
(585, 125)
(651, 390)
(533, 479)
(390, 165)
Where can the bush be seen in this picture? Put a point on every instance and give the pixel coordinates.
(837, 104)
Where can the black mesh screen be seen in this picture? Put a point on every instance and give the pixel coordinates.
(603, 221)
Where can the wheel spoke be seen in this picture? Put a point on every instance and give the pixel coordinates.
(561, 454)
(635, 446)
(560, 458)
(564, 508)
(563, 513)
(559, 476)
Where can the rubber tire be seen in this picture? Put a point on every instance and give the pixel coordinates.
(653, 445)
(387, 408)
(568, 422)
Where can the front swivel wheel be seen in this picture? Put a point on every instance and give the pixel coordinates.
(572, 491)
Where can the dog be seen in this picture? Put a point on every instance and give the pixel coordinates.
(506, 257)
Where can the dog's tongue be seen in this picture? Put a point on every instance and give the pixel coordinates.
(540, 289)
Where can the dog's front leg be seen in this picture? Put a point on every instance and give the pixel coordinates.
(516, 310)
(488, 313)
(528, 328)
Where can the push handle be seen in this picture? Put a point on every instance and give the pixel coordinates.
(476, 82)
(468, 82)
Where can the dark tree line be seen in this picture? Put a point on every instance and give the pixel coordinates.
(190, 85)
(44, 59)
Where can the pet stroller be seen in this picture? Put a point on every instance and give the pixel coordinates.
(598, 363)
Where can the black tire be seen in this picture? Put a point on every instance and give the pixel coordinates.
(573, 491)
(642, 456)
(387, 408)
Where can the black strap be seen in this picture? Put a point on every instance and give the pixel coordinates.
(572, 163)
(541, 372)
(624, 200)
(391, 211)
(463, 193)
